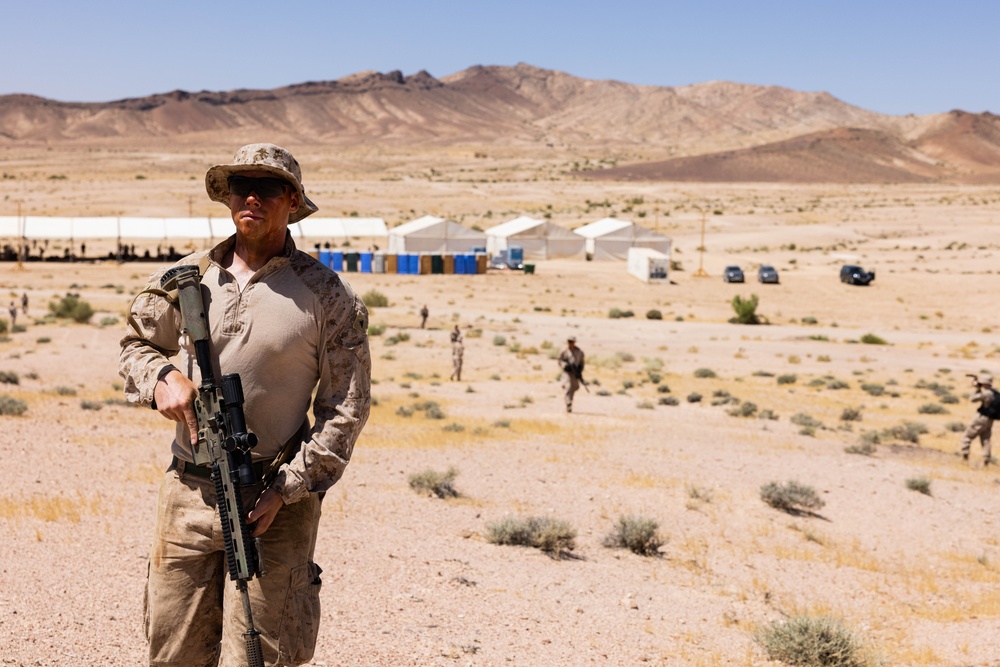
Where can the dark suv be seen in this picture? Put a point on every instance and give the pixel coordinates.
(855, 275)
(732, 274)
(767, 274)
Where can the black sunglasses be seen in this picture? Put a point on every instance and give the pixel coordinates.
(264, 188)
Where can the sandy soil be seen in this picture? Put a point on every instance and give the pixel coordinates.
(413, 580)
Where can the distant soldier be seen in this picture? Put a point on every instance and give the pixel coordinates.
(24, 303)
(457, 350)
(571, 362)
(423, 316)
(982, 423)
(13, 314)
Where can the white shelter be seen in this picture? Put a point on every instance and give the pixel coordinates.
(434, 235)
(338, 229)
(648, 265)
(540, 239)
(610, 238)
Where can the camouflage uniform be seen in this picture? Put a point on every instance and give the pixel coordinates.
(571, 362)
(293, 329)
(981, 425)
(423, 316)
(457, 350)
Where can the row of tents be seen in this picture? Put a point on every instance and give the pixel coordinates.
(605, 239)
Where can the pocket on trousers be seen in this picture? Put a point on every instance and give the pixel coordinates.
(300, 620)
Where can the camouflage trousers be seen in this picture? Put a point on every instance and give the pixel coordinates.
(193, 611)
(981, 427)
(570, 385)
(457, 351)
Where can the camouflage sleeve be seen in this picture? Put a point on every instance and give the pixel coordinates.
(341, 406)
(151, 338)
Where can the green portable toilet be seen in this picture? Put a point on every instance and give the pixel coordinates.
(437, 264)
(351, 259)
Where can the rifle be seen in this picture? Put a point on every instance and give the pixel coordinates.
(578, 374)
(224, 444)
(975, 378)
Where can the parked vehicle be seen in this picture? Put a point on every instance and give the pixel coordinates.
(855, 275)
(767, 274)
(732, 274)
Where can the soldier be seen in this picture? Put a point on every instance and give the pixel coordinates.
(982, 424)
(457, 350)
(423, 316)
(571, 362)
(24, 303)
(307, 356)
(13, 314)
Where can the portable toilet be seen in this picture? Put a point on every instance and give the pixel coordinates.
(448, 264)
(378, 262)
(337, 257)
(324, 257)
(366, 262)
(414, 264)
(402, 264)
(392, 263)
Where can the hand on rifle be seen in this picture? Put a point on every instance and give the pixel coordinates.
(174, 395)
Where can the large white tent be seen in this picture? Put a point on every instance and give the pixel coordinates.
(339, 228)
(610, 238)
(434, 235)
(540, 239)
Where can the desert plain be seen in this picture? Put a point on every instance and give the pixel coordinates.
(411, 579)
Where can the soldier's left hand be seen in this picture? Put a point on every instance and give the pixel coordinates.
(265, 510)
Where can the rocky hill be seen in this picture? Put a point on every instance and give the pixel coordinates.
(708, 131)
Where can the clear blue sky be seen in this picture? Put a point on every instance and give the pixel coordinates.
(891, 56)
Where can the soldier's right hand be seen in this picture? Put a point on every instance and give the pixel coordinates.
(174, 395)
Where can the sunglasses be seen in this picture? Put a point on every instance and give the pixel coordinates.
(264, 188)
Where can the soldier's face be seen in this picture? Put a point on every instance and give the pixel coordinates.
(261, 218)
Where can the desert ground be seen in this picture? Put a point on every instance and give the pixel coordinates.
(412, 579)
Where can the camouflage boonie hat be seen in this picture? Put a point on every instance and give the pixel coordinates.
(986, 378)
(274, 160)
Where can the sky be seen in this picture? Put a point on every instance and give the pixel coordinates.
(890, 56)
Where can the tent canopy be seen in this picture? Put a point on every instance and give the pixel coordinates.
(433, 235)
(610, 238)
(540, 239)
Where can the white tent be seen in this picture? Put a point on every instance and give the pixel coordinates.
(610, 238)
(339, 228)
(539, 239)
(434, 235)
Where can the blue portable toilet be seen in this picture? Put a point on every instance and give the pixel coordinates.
(366, 262)
(324, 257)
(337, 257)
(401, 264)
(460, 264)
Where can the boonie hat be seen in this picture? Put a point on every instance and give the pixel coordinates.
(571, 339)
(269, 158)
(986, 378)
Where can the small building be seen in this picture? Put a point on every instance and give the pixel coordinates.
(648, 265)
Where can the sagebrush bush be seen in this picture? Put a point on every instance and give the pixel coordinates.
(694, 397)
(637, 534)
(616, 313)
(919, 484)
(814, 641)
(932, 409)
(9, 377)
(654, 314)
(12, 407)
(440, 484)
(668, 400)
(73, 308)
(705, 373)
(376, 329)
(850, 414)
(787, 378)
(375, 299)
(907, 431)
(790, 497)
(872, 339)
(552, 536)
(746, 310)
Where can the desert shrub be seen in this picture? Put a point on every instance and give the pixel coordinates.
(802, 419)
(499, 341)
(616, 313)
(9, 377)
(433, 412)
(91, 405)
(907, 431)
(453, 427)
(705, 373)
(12, 407)
(654, 377)
(723, 397)
(654, 314)
(109, 321)
(645, 405)
(746, 310)
(637, 534)
(627, 384)
(767, 413)
(603, 392)
(65, 391)
(932, 409)
(864, 449)
(850, 414)
(955, 427)
(501, 423)
(400, 337)
(43, 339)
(814, 641)
(949, 399)
(694, 397)
(375, 299)
(809, 320)
(663, 389)
(376, 329)
(73, 308)
(872, 339)
(746, 409)
(788, 378)
(440, 484)
(404, 411)
(791, 497)
(873, 389)
(552, 536)
(668, 400)
(837, 384)
(3, 327)
(919, 484)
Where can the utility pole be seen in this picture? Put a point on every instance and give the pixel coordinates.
(700, 273)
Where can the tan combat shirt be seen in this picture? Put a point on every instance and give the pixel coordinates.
(295, 327)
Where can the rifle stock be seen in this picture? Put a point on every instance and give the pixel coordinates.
(224, 444)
